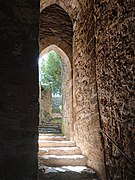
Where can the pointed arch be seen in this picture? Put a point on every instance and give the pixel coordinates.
(67, 92)
(69, 7)
(54, 30)
(59, 51)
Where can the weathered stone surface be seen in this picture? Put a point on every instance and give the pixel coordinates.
(66, 173)
(56, 28)
(45, 100)
(47, 143)
(84, 82)
(18, 89)
(52, 138)
(102, 32)
(56, 103)
(59, 151)
(85, 103)
(70, 6)
(115, 51)
(62, 160)
(55, 22)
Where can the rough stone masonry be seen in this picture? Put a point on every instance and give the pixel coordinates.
(100, 47)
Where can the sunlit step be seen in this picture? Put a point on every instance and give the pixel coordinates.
(65, 160)
(67, 172)
(45, 143)
(60, 151)
(51, 138)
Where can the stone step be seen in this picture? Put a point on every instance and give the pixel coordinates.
(46, 143)
(52, 138)
(51, 132)
(61, 159)
(60, 151)
(47, 128)
(50, 126)
(64, 160)
(66, 173)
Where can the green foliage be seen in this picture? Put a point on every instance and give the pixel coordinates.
(46, 116)
(56, 121)
(56, 110)
(50, 71)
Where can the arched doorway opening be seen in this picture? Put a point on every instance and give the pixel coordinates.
(66, 90)
(56, 33)
(56, 27)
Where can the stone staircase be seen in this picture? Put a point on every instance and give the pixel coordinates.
(50, 129)
(60, 159)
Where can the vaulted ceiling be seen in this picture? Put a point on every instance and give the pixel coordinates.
(55, 22)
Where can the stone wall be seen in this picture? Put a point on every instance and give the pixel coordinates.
(18, 89)
(45, 106)
(67, 93)
(115, 51)
(85, 104)
(103, 59)
(56, 103)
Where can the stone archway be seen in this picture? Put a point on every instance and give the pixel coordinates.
(66, 90)
(71, 7)
(57, 34)
(56, 30)
(69, 34)
(77, 40)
